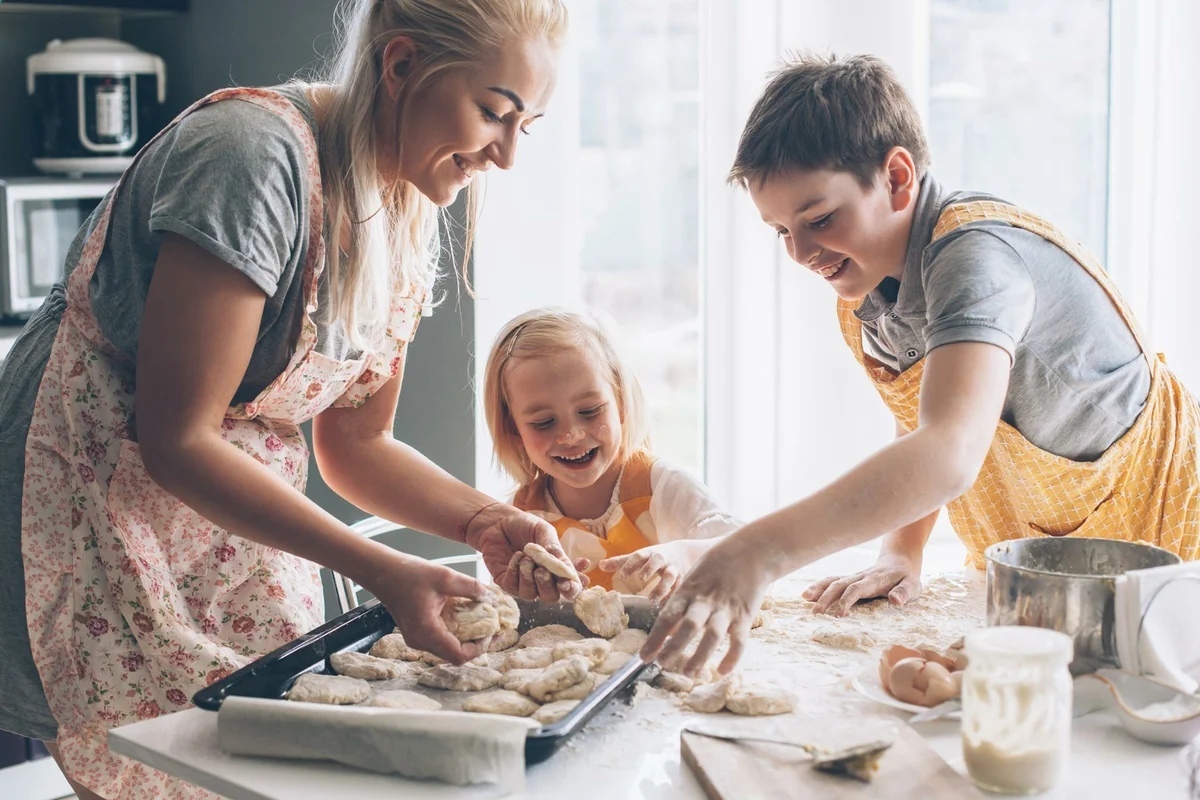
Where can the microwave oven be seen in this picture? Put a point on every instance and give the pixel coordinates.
(39, 218)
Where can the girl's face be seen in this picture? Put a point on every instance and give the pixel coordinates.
(467, 121)
(566, 413)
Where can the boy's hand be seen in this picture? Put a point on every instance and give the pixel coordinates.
(655, 570)
(893, 576)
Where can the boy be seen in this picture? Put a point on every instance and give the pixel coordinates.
(1025, 398)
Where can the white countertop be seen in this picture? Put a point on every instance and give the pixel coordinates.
(632, 751)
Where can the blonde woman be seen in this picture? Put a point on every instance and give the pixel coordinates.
(264, 262)
(567, 421)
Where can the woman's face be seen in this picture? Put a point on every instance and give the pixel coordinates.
(466, 121)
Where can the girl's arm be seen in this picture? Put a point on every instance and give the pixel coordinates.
(198, 332)
(962, 395)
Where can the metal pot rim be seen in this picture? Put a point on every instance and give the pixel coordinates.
(990, 555)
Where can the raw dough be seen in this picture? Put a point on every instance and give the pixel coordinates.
(505, 639)
(404, 700)
(629, 640)
(394, 646)
(467, 678)
(548, 636)
(507, 610)
(553, 712)
(601, 611)
(554, 566)
(516, 679)
(594, 650)
(369, 668)
(576, 692)
(558, 676)
(613, 662)
(470, 620)
(711, 698)
(528, 658)
(674, 682)
(845, 638)
(501, 701)
(762, 619)
(333, 689)
(759, 701)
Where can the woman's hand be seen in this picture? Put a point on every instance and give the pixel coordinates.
(415, 592)
(500, 532)
(654, 570)
(718, 598)
(894, 576)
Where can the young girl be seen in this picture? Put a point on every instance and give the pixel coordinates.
(566, 416)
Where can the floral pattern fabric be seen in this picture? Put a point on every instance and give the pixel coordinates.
(134, 601)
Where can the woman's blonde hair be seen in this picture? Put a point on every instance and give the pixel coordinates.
(545, 332)
(394, 229)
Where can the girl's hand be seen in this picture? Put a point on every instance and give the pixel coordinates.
(893, 576)
(657, 568)
(415, 592)
(718, 598)
(500, 533)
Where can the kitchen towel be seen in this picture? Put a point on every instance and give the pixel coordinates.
(1157, 624)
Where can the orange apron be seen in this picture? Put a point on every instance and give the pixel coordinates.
(621, 534)
(1143, 488)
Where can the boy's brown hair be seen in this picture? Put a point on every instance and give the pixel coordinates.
(822, 112)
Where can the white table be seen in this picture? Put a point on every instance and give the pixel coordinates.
(630, 752)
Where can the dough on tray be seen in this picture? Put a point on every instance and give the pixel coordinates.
(366, 667)
(553, 712)
(501, 701)
(471, 620)
(528, 658)
(601, 611)
(404, 700)
(576, 692)
(331, 689)
(505, 639)
(467, 678)
(549, 635)
(629, 640)
(613, 662)
(594, 650)
(393, 646)
(558, 676)
(507, 610)
(516, 679)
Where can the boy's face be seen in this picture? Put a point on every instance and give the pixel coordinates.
(849, 236)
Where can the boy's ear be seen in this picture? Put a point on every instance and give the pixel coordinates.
(902, 181)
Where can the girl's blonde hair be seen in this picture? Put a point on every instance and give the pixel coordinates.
(394, 229)
(545, 332)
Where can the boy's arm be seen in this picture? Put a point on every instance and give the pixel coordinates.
(896, 573)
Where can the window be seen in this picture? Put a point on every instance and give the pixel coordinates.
(1018, 106)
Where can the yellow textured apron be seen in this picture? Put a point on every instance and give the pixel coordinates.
(1143, 488)
(622, 535)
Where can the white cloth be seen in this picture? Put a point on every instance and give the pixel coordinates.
(450, 746)
(1157, 621)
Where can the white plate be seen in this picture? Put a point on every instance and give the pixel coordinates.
(867, 684)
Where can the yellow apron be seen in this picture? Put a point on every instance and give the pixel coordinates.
(622, 535)
(1143, 488)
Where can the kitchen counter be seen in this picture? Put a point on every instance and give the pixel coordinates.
(632, 750)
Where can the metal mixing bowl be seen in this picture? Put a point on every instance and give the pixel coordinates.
(1066, 585)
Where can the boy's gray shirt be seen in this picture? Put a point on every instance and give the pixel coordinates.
(1078, 379)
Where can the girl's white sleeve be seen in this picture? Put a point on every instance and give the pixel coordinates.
(683, 508)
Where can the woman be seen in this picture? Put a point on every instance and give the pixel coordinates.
(263, 262)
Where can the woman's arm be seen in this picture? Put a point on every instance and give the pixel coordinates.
(962, 395)
(198, 332)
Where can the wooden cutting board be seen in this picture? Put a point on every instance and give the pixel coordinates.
(740, 770)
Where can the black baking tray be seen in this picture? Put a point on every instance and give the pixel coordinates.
(271, 676)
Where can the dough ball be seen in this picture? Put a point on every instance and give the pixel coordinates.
(528, 658)
(760, 701)
(542, 557)
(844, 638)
(470, 620)
(331, 689)
(674, 682)
(613, 662)
(501, 701)
(558, 676)
(629, 640)
(393, 646)
(594, 650)
(467, 678)
(711, 698)
(516, 680)
(601, 611)
(367, 667)
(548, 636)
(576, 692)
(553, 712)
(404, 700)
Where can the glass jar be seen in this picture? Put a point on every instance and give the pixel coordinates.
(1016, 696)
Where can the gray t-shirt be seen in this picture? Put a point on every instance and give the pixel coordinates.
(1078, 379)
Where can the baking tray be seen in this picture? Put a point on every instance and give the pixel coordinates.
(271, 676)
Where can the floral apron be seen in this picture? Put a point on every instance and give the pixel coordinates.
(134, 601)
(1145, 487)
(617, 534)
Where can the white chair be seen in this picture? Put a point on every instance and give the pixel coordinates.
(431, 548)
